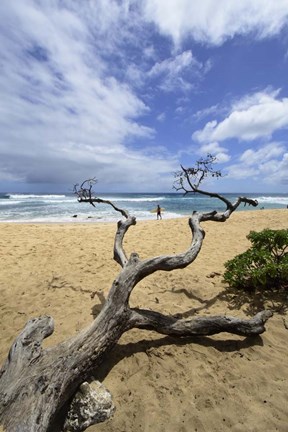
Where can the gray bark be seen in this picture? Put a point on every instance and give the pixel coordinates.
(35, 384)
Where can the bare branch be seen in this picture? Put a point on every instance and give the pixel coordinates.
(122, 227)
(85, 190)
(188, 181)
(36, 383)
(94, 200)
(223, 216)
(195, 175)
(200, 326)
(182, 260)
(85, 194)
(177, 261)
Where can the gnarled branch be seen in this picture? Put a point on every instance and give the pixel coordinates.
(188, 181)
(200, 326)
(36, 383)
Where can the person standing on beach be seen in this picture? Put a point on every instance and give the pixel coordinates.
(159, 216)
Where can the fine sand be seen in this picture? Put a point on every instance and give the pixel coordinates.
(219, 383)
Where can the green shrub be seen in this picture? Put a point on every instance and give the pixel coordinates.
(264, 266)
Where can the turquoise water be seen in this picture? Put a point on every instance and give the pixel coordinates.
(62, 207)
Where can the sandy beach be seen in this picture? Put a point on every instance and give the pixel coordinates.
(219, 383)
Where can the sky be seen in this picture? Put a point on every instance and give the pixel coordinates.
(127, 91)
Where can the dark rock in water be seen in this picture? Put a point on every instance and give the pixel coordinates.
(74, 215)
(4, 195)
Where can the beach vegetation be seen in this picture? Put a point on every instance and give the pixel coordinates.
(258, 278)
(264, 266)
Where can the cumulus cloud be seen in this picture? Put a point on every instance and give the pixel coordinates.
(213, 23)
(221, 153)
(254, 116)
(78, 82)
(63, 116)
(262, 155)
(267, 164)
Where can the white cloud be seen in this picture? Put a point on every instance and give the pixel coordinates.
(76, 81)
(264, 154)
(199, 115)
(267, 165)
(172, 71)
(179, 110)
(173, 66)
(241, 171)
(255, 116)
(282, 173)
(161, 117)
(213, 23)
(63, 116)
(253, 99)
(221, 153)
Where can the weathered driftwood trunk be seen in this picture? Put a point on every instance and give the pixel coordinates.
(35, 384)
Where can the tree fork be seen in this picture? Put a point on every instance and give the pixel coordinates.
(36, 383)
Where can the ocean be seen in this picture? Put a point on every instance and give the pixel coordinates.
(65, 207)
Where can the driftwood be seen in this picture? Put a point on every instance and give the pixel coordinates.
(36, 384)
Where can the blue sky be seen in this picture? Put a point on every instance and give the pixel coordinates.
(128, 90)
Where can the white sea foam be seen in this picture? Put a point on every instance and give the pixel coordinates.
(6, 202)
(62, 208)
(66, 199)
(37, 197)
(59, 201)
(272, 200)
(144, 199)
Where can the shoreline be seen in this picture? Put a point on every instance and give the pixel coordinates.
(63, 269)
(61, 209)
(91, 219)
(88, 220)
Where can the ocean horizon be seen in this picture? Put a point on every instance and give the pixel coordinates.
(64, 207)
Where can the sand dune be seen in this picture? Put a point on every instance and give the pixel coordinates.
(158, 383)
